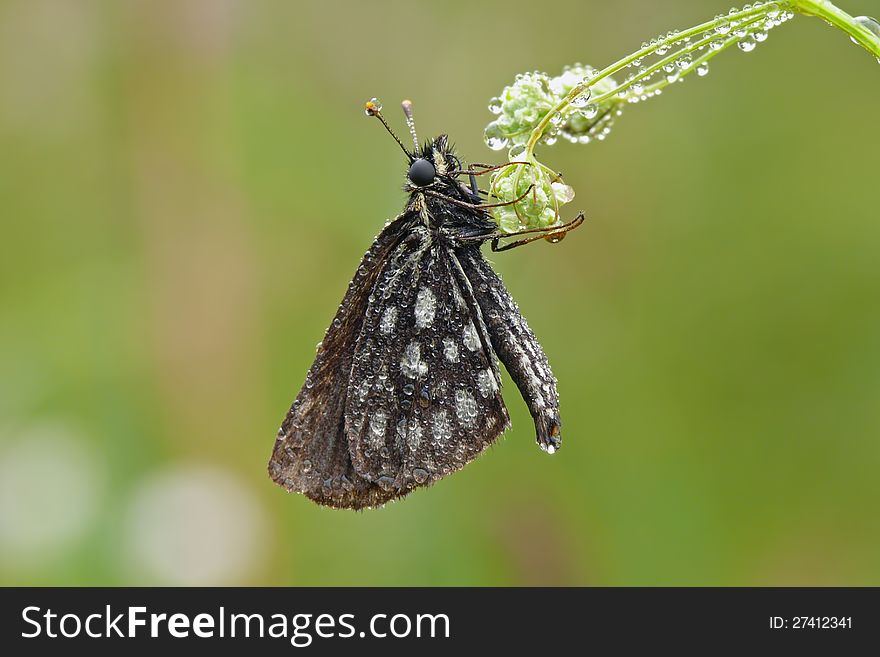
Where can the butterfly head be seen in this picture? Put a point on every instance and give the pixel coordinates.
(431, 165)
(434, 163)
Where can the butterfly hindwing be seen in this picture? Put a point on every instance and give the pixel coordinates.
(311, 454)
(424, 397)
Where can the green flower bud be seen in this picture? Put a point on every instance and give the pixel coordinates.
(583, 120)
(519, 107)
(522, 106)
(540, 197)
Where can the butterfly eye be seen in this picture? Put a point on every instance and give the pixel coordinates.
(421, 172)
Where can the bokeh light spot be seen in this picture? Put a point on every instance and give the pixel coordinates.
(195, 525)
(50, 484)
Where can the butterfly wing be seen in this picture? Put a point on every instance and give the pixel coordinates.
(425, 387)
(311, 453)
(517, 347)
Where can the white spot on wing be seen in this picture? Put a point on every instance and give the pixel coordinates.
(450, 350)
(389, 319)
(425, 308)
(486, 383)
(470, 338)
(412, 364)
(441, 428)
(465, 407)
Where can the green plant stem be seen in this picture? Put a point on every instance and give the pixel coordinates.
(695, 46)
(620, 64)
(840, 19)
(820, 8)
(679, 44)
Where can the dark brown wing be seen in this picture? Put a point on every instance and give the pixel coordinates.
(311, 453)
(517, 348)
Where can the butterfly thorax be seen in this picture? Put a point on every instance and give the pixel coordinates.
(445, 204)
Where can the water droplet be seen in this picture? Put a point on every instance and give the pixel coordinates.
(424, 397)
(306, 466)
(386, 483)
(747, 44)
(702, 69)
(591, 111)
(870, 24)
(516, 150)
(495, 105)
(760, 36)
(496, 143)
(723, 28)
(372, 106)
(420, 475)
(582, 100)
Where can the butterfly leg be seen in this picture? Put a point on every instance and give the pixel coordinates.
(555, 233)
(473, 179)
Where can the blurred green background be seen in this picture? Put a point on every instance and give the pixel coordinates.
(186, 188)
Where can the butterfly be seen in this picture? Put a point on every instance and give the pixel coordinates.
(405, 387)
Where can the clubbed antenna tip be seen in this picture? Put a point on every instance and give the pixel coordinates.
(373, 107)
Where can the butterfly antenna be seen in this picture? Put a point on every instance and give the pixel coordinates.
(410, 122)
(374, 108)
